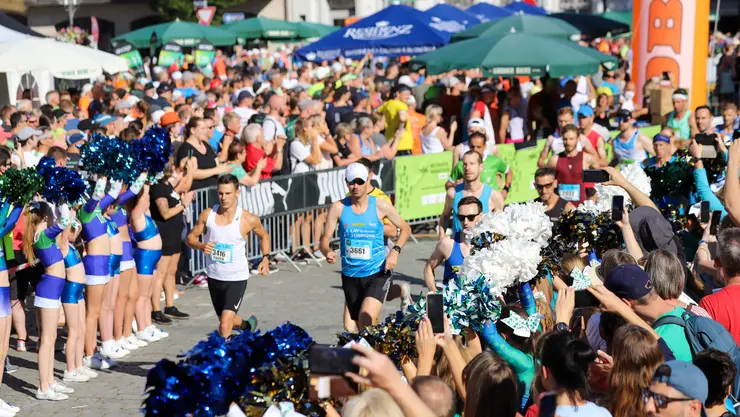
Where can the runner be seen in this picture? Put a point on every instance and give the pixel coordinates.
(366, 270)
(453, 250)
(555, 145)
(630, 145)
(570, 165)
(226, 227)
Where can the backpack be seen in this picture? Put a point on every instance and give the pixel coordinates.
(257, 118)
(703, 333)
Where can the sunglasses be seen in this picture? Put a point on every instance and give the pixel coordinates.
(356, 181)
(661, 401)
(541, 187)
(470, 217)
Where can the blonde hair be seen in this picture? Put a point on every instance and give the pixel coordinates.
(32, 219)
(372, 403)
(433, 110)
(570, 262)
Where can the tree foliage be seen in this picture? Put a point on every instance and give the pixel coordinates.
(170, 10)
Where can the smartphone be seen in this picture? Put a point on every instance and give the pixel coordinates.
(704, 215)
(328, 360)
(190, 153)
(584, 299)
(595, 175)
(525, 145)
(402, 126)
(716, 217)
(617, 208)
(435, 312)
(453, 118)
(709, 146)
(548, 403)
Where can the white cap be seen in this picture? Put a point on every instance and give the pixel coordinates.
(355, 171)
(322, 72)
(157, 116)
(476, 123)
(336, 66)
(86, 88)
(405, 80)
(176, 94)
(177, 75)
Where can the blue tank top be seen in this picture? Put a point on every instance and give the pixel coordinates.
(361, 241)
(150, 230)
(627, 151)
(366, 149)
(485, 196)
(455, 261)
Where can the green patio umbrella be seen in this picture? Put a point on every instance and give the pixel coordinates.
(262, 28)
(517, 54)
(520, 23)
(624, 17)
(308, 30)
(182, 33)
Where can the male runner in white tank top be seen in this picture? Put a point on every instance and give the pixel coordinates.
(227, 226)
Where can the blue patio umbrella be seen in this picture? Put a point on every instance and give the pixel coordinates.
(487, 12)
(396, 30)
(526, 8)
(450, 19)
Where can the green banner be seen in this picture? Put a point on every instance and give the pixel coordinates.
(420, 184)
(169, 54)
(523, 163)
(204, 53)
(128, 52)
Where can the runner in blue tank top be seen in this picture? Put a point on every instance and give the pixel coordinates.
(366, 270)
(471, 186)
(453, 250)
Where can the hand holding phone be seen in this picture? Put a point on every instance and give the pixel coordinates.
(704, 214)
(595, 175)
(714, 226)
(327, 360)
(435, 312)
(617, 208)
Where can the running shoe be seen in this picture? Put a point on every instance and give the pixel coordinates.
(60, 387)
(21, 346)
(110, 362)
(112, 350)
(133, 340)
(159, 318)
(406, 300)
(318, 255)
(74, 376)
(249, 324)
(124, 343)
(159, 332)
(6, 406)
(6, 412)
(87, 371)
(174, 313)
(9, 369)
(50, 395)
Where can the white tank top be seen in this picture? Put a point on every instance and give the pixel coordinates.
(431, 143)
(228, 261)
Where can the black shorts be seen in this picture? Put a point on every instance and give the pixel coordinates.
(171, 234)
(226, 295)
(26, 279)
(357, 289)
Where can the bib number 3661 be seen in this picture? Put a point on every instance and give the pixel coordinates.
(359, 249)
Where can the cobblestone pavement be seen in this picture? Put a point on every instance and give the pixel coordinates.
(312, 299)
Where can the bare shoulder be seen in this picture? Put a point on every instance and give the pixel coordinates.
(204, 215)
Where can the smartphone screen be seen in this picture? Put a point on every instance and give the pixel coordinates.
(324, 359)
(704, 215)
(595, 175)
(705, 139)
(617, 208)
(453, 118)
(716, 217)
(435, 312)
(584, 299)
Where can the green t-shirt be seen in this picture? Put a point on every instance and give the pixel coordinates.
(238, 171)
(492, 166)
(675, 336)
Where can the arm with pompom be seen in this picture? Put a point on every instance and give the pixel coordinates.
(522, 363)
(113, 192)
(526, 298)
(10, 221)
(133, 190)
(98, 193)
(63, 221)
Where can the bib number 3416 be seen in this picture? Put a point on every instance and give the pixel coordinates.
(222, 252)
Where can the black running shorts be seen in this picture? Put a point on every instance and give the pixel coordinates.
(226, 295)
(357, 289)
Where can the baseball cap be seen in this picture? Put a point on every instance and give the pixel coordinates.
(104, 119)
(88, 124)
(355, 171)
(59, 113)
(348, 77)
(629, 281)
(358, 96)
(25, 133)
(487, 88)
(149, 86)
(686, 378)
(168, 119)
(163, 88)
(245, 94)
(476, 123)
(157, 116)
(124, 104)
(406, 80)
(624, 114)
(585, 110)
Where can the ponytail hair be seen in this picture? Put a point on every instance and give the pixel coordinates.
(567, 359)
(35, 213)
(522, 344)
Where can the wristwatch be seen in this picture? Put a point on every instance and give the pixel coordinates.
(396, 248)
(562, 327)
(506, 188)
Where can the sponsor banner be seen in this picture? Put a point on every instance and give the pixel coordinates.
(169, 54)
(204, 54)
(420, 184)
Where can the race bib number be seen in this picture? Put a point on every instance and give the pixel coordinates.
(222, 252)
(570, 192)
(359, 249)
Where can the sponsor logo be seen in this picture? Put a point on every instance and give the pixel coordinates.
(450, 26)
(381, 30)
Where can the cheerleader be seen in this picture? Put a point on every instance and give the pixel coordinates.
(39, 241)
(7, 223)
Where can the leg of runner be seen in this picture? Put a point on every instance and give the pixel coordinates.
(369, 312)
(349, 324)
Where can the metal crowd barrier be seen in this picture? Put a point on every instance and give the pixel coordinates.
(284, 204)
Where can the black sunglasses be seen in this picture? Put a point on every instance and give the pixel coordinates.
(661, 401)
(356, 181)
(543, 186)
(470, 217)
